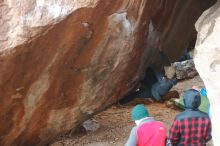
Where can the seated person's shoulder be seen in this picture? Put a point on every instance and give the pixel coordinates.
(193, 114)
(180, 116)
(203, 114)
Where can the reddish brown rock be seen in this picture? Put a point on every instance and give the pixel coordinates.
(171, 94)
(62, 61)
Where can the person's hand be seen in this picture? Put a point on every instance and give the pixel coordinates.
(195, 88)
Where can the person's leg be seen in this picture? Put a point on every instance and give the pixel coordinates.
(159, 89)
(146, 93)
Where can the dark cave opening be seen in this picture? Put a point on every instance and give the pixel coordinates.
(156, 76)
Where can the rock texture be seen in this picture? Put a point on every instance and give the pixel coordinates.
(207, 61)
(62, 61)
(185, 69)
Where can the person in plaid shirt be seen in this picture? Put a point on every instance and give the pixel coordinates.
(191, 127)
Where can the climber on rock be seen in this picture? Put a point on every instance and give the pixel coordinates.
(156, 89)
(160, 88)
(147, 132)
(191, 127)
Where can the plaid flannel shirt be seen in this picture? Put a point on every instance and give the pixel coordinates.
(194, 131)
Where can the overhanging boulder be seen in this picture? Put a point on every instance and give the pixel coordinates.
(63, 61)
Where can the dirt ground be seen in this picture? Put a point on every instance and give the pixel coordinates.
(115, 123)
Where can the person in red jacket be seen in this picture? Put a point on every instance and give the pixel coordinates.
(191, 127)
(147, 132)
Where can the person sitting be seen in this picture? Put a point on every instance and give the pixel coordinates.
(147, 132)
(191, 127)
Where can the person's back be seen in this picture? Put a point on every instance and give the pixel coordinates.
(191, 127)
(151, 134)
(147, 131)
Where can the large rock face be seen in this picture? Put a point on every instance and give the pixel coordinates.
(207, 61)
(62, 61)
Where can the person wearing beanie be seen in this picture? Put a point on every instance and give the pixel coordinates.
(191, 127)
(147, 132)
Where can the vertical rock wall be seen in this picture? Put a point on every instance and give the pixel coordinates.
(207, 61)
(61, 61)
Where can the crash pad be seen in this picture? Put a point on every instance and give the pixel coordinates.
(203, 107)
